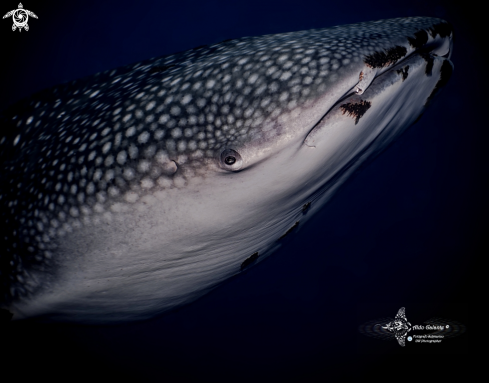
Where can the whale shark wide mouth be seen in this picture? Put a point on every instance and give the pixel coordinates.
(437, 49)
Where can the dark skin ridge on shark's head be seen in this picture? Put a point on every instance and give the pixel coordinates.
(136, 190)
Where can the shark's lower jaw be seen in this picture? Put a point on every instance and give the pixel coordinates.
(192, 168)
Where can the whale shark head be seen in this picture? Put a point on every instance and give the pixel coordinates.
(136, 190)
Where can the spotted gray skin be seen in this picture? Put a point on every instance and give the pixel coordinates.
(136, 190)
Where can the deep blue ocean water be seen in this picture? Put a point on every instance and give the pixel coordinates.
(405, 231)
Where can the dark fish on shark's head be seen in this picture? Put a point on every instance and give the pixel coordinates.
(136, 190)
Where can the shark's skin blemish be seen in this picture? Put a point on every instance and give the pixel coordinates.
(292, 228)
(418, 118)
(419, 40)
(428, 57)
(385, 58)
(441, 29)
(356, 110)
(306, 207)
(445, 74)
(248, 261)
(403, 72)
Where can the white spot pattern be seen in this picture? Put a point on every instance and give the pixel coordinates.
(115, 136)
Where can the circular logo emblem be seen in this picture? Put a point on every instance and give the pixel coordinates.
(20, 18)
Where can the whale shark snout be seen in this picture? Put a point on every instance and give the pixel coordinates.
(136, 190)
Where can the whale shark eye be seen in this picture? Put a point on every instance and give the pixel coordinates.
(231, 160)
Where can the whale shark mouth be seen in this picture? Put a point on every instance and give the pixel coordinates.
(381, 64)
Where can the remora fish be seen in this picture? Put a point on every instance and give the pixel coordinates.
(136, 190)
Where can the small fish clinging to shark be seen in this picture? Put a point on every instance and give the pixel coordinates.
(139, 189)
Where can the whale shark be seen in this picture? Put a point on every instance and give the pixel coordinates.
(137, 190)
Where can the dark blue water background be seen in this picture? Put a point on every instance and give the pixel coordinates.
(404, 231)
